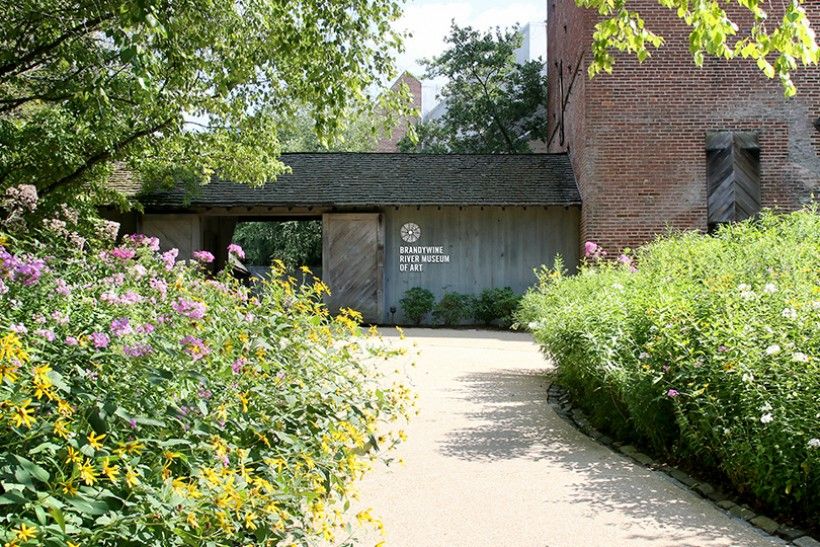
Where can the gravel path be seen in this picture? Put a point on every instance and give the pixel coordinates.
(488, 462)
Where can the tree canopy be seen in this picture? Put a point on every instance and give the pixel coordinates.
(494, 104)
(778, 47)
(180, 89)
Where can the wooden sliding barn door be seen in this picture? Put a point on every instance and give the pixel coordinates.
(353, 262)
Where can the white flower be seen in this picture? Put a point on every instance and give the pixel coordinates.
(748, 377)
(799, 357)
(766, 418)
(643, 356)
(766, 407)
(789, 313)
(816, 304)
(814, 443)
(774, 349)
(744, 287)
(770, 288)
(747, 295)
(617, 286)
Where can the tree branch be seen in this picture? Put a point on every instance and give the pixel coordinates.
(102, 156)
(494, 112)
(29, 60)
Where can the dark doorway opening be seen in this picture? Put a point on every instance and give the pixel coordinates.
(296, 243)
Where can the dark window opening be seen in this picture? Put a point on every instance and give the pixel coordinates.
(733, 176)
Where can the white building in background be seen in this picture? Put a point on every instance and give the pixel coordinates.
(533, 47)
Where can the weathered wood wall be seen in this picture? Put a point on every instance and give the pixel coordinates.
(487, 248)
(183, 232)
(352, 262)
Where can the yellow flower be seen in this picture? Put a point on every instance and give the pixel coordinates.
(61, 429)
(131, 477)
(8, 371)
(72, 544)
(110, 471)
(73, 456)
(42, 383)
(250, 519)
(131, 447)
(87, 472)
(243, 398)
(94, 440)
(22, 414)
(192, 521)
(305, 270)
(64, 408)
(25, 533)
(69, 488)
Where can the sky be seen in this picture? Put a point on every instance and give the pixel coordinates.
(429, 22)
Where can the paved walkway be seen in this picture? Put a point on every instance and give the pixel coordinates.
(489, 463)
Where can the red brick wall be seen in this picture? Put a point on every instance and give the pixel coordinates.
(637, 137)
(387, 143)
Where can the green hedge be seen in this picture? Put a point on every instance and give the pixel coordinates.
(708, 351)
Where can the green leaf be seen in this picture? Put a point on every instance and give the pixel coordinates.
(33, 469)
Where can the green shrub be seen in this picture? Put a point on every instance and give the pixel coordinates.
(496, 306)
(453, 308)
(709, 351)
(143, 403)
(416, 303)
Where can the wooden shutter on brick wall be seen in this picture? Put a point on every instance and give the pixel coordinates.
(733, 176)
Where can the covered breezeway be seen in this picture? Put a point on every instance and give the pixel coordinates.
(448, 223)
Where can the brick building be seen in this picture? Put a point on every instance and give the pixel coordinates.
(388, 143)
(665, 144)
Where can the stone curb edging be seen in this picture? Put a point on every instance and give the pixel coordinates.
(559, 399)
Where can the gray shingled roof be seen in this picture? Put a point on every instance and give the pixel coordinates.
(362, 179)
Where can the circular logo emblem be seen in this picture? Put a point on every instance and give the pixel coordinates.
(410, 232)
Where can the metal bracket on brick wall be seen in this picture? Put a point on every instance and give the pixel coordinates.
(565, 97)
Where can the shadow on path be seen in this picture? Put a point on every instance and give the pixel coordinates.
(512, 420)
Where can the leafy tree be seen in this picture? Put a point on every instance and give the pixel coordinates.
(296, 243)
(297, 133)
(778, 48)
(179, 89)
(494, 105)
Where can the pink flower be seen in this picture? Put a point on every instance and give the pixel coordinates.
(100, 340)
(203, 256)
(237, 365)
(169, 258)
(137, 350)
(121, 326)
(672, 393)
(147, 328)
(195, 347)
(70, 341)
(62, 287)
(59, 317)
(189, 308)
(18, 328)
(144, 240)
(235, 249)
(590, 248)
(45, 333)
(122, 253)
(159, 285)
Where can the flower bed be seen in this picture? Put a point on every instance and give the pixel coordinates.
(142, 403)
(705, 348)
